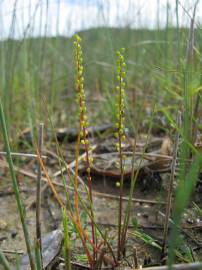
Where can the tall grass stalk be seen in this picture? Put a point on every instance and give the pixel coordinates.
(83, 236)
(177, 32)
(183, 193)
(170, 187)
(59, 155)
(9, 66)
(134, 175)
(188, 173)
(17, 262)
(3, 261)
(71, 215)
(67, 247)
(38, 190)
(38, 256)
(20, 205)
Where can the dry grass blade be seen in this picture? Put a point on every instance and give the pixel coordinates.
(38, 191)
(20, 205)
(21, 155)
(191, 266)
(60, 201)
(190, 47)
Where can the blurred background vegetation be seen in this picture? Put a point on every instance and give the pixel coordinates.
(37, 68)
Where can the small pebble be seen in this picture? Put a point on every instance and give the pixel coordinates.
(61, 266)
(198, 220)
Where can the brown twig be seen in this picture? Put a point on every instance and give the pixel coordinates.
(21, 155)
(143, 227)
(190, 46)
(114, 197)
(6, 251)
(135, 258)
(190, 266)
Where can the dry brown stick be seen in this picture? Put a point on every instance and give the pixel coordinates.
(21, 154)
(149, 155)
(143, 227)
(114, 197)
(190, 45)
(189, 62)
(189, 266)
(38, 189)
(6, 251)
(170, 188)
(192, 227)
(79, 265)
(135, 258)
(146, 155)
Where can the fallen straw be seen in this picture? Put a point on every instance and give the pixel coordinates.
(189, 266)
(21, 155)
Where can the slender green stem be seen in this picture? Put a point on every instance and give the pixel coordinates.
(38, 256)
(170, 188)
(134, 175)
(21, 208)
(3, 261)
(38, 193)
(67, 248)
(59, 155)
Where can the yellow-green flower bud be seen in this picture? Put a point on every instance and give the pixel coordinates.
(118, 184)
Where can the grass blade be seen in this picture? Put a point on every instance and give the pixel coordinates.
(183, 193)
(3, 261)
(38, 256)
(67, 251)
(20, 206)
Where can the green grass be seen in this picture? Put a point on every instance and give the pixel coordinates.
(3, 261)
(21, 208)
(160, 75)
(25, 73)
